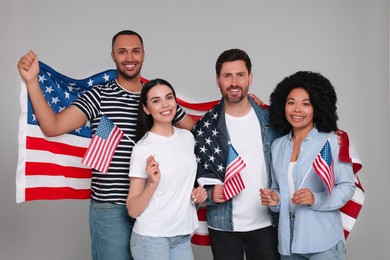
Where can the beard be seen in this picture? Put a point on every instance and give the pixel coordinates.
(125, 74)
(128, 76)
(234, 99)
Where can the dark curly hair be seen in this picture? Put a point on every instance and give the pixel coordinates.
(322, 97)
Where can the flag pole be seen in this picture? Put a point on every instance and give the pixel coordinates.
(311, 165)
(304, 178)
(128, 137)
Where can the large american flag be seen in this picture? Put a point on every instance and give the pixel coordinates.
(50, 168)
(323, 165)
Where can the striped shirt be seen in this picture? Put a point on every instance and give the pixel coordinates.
(121, 107)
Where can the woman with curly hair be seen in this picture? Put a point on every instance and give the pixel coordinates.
(307, 194)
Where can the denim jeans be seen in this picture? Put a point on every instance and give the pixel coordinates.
(161, 248)
(110, 228)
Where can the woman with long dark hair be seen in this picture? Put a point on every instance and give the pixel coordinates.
(162, 176)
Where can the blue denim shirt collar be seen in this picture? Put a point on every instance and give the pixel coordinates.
(309, 136)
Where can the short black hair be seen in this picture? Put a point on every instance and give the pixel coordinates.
(126, 32)
(322, 97)
(232, 55)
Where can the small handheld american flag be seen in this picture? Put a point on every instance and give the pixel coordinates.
(103, 145)
(233, 183)
(323, 165)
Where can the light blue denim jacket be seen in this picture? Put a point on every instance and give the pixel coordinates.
(319, 227)
(219, 215)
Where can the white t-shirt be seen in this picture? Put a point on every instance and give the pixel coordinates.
(291, 186)
(170, 211)
(245, 136)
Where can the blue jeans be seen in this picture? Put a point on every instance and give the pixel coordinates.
(161, 248)
(110, 228)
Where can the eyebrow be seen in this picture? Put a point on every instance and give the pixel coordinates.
(233, 73)
(167, 95)
(130, 49)
(306, 99)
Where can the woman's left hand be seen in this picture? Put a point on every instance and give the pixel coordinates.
(303, 197)
(198, 195)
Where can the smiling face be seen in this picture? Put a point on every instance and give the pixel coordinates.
(299, 111)
(161, 104)
(234, 81)
(128, 55)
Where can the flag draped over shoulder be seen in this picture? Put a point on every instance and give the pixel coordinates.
(50, 168)
(103, 145)
(218, 161)
(323, 165)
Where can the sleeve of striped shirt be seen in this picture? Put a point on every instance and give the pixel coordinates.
(89, 103)
(180, 114)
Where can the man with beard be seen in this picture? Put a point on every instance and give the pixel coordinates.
(110, 224)
(233, 146)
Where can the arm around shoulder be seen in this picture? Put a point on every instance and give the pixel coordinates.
(186, 123)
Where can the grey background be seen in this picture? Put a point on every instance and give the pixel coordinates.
(347, 41)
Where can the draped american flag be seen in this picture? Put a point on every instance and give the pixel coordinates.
(323, 165)
(218, 161)
(103, 145)
(50, 168)
(212, 150)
